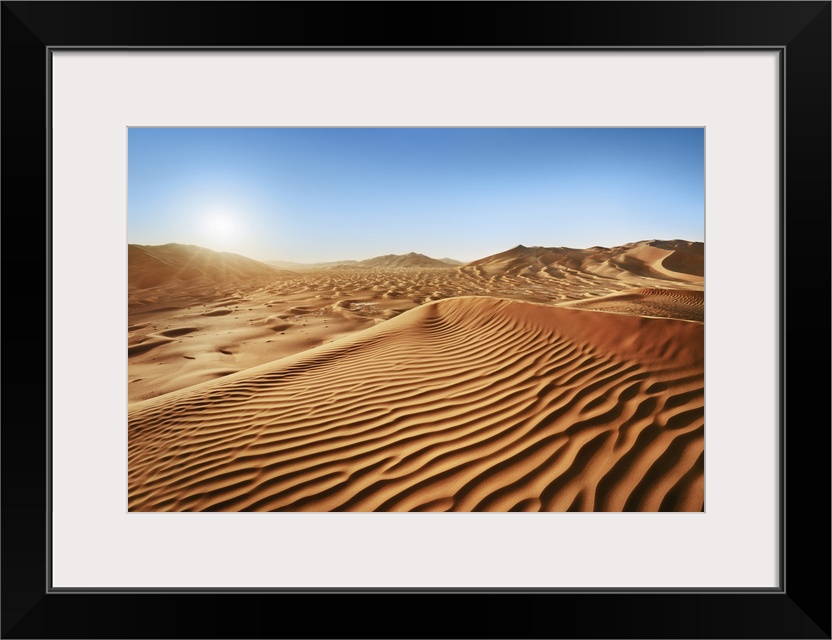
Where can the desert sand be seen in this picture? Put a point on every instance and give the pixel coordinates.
(537, 379)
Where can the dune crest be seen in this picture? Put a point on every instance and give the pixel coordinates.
(678, 261)
(254, 314)
(463, 404)
(659, 303)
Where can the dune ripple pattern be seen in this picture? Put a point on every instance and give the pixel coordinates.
(460, 404)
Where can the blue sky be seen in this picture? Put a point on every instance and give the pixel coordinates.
(320, 194)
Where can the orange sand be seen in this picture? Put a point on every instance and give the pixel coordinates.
(536, 379)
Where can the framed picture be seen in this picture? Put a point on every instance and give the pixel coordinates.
(507, 378)
(100, 99)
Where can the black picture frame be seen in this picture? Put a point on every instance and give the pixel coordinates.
(799, 31)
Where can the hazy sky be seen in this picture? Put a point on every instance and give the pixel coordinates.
(309, 195)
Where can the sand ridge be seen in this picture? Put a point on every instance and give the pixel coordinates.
(538, 379)
(468, 404)
(186, 332)
(659, 303)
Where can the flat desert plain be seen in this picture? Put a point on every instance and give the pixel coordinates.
(537, 379)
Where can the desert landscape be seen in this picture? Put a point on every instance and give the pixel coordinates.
(399, 319)
(535, 379)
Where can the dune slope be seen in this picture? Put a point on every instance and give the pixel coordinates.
(465, 404)
(173, 272)
(660, 303)
(597, 270)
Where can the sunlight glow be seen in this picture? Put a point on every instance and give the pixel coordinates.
(220, 227)
(220, 224)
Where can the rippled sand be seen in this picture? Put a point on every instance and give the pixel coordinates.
(536, 379)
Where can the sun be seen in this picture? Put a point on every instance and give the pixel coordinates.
(220, 229)
(220, 224)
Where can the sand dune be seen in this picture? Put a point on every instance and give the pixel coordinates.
(154, 265)
(408, 260)
(466, 404)
(240, 321)
(677, 261)
(305, 266)
(536, 379)
(169, 271)
(659, 303)
(391, 260)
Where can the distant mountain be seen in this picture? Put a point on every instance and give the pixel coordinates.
(408, 260)
(305, 266)
(679, 260)
(388, 261)
(158, 265)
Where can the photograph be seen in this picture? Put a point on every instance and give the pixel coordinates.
(416, 319)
